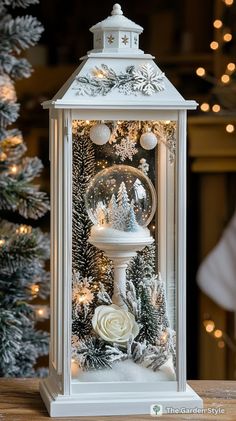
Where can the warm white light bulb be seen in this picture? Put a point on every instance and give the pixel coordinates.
(217, 23)
(15, 140)
(230, 128)
(209, 325)
(35, 289)
(214, 45)
(200, 71)
(218, 333)
(40, 312)
(231, 67)
(216, 108)
(221, 344)
(205, 107)
(13, 169)
(228, 2)
(227, 37)
(24, 229)
(225, 78)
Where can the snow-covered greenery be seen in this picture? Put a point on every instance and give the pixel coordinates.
(23, 250)
(145, 298)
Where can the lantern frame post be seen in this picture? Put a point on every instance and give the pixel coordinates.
(181, 189)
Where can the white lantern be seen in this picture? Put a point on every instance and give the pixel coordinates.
(118, 275)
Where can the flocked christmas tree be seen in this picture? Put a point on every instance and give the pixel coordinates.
(23, 249)
(90, 266)
(119, 214)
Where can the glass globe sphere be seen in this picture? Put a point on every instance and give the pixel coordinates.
(121, 197)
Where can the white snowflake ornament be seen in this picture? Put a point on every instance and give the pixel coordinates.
(147, 80)
(126, 149)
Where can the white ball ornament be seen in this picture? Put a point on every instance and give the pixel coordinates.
(148, 141)
(100, 134)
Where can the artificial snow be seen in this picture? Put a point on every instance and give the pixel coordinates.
(105, 233)
(129, 371)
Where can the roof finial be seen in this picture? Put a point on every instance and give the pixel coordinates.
(116, 10)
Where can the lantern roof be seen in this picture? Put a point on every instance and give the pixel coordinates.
(116, 33)
(117, 74)
(117, 21)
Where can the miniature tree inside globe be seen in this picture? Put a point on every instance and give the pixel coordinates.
(121, 200)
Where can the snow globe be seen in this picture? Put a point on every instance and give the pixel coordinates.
(121, 202)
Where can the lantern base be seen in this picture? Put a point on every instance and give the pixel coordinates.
(117, 403)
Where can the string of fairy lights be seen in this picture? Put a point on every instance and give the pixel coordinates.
(14, 139)
(7, 145)
(223, 35)
(42, 312)
(221, 337)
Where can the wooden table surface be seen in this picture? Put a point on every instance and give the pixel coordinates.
(20, 401)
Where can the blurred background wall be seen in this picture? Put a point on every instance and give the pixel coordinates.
(179, 33)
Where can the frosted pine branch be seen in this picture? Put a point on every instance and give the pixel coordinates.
(14, 151)
(132, 301)
(16, 68)
(16, 193)
(84, 254)
(15, 329)
(94, 354)
(8, 112)
(19, 33)
(33, 204)
(20, 250)
(91, 355)
(103, 296)
(16, 286)
(31, 168)
(11, 335)
(142, 266)
(150, 356)
(115, 353)
(20, 3)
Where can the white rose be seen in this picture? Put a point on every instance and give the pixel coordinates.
(114, 324)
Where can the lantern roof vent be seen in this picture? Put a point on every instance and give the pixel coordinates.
(116, 34)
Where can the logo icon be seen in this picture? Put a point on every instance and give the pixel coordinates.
(156, 410)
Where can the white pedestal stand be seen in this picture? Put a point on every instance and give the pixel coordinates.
(90, 399)
(120, 251)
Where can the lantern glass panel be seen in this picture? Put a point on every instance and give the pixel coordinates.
(123, 251)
